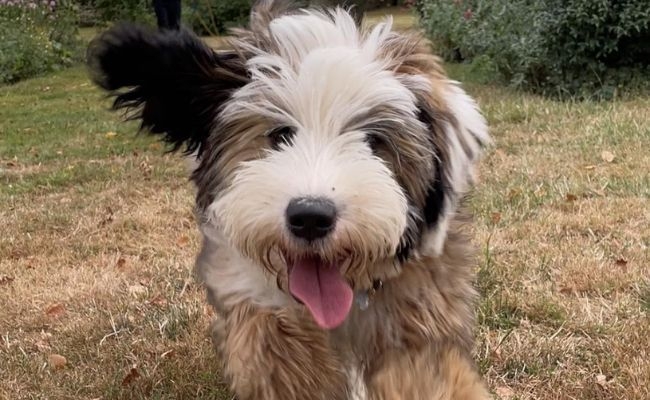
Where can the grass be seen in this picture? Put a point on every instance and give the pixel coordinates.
(98, 243)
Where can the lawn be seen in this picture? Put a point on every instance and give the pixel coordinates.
(97, 294)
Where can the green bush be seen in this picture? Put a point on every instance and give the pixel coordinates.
(37, 37)
(578, 48)
(215, 17)
(97, 12)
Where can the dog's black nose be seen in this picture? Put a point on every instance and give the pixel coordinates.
(311, 218)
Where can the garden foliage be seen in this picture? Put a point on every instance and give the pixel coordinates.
(37, 37)
(581, 48)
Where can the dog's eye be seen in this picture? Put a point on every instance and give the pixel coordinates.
(281, 135)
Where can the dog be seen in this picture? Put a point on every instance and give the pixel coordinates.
(331, 164)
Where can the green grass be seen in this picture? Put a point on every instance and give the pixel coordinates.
(102, 224)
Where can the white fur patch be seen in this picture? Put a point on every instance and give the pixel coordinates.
(235, 279)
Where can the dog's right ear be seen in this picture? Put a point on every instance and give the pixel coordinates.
(172, 81)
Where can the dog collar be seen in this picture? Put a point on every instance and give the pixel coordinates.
(363, 297)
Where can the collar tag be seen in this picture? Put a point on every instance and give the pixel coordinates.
(363, 297)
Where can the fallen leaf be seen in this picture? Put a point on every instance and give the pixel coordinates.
(55, 310)
(120, 264)
(131, 376)
(568, 289)
(11, 164)
(607, 156)
(504, 392)
(601, 380)
(5, 279)
(57, 361)
(513, 193)
(183, 240)
(110, 135)
(539, 192)
(571, 197)
(158, 301)
(621, 262)
(495, 217)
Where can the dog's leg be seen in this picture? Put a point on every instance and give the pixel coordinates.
(277, 355)
(435, 373)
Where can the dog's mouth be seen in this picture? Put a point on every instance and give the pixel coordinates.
(322, 288)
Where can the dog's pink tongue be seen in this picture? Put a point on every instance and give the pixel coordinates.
(323, 290)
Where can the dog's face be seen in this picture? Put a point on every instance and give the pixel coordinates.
(326, 153)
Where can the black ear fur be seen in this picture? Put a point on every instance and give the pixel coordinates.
(420, 219)
(172, 81)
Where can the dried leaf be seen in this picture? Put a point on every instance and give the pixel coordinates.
(11, 164)
(183, 240)
(607, 156)
(158, 301)
(120, 264)
(570, 198)
(621, 262)
(568, 289)
(601, 380)
(57, 361)
(55, 310)
(110, 135)
(504, 392)
(6, 279)
(131, 376)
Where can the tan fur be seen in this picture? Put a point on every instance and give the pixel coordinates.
(413, 343)
(277, 355)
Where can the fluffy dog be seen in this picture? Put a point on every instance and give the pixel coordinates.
(332, 161)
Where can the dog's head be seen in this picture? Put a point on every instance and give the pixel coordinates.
(329, 151)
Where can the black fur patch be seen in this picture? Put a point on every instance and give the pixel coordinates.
(428, 214)
(170, 80)
(435, 197)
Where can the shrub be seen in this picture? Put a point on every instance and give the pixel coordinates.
(37, 37)
(108, 11)
(214, 17)
(582, 48)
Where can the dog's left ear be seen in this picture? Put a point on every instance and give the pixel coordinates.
(173, 82)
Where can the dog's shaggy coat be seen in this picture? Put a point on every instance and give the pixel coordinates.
(331, 166)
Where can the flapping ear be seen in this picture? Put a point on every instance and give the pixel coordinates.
(173, 82)
(457, 134)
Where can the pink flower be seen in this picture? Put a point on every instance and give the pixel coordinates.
(468, 13)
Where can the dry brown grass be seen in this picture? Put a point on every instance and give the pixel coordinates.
(98, 242)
